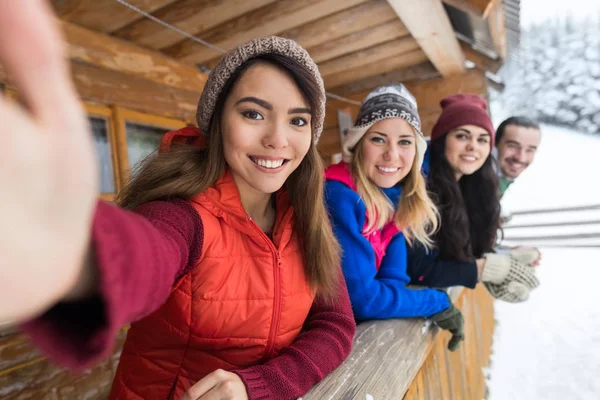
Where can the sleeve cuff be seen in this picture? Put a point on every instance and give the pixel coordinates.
(256, 386)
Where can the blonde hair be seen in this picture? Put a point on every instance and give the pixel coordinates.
(417, 216)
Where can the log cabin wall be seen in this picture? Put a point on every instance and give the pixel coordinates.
(138, 79)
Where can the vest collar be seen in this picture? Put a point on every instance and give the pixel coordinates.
(223, 200)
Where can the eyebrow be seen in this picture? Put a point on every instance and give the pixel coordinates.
(470, 133)
(509, 141)
(402, 135)
(299, 110)
(250, 99)
(269, 106)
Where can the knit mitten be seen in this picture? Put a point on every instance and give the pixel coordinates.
(451, 319)
(518, 281)
(510, 267)
(511, 292)
(526, 255)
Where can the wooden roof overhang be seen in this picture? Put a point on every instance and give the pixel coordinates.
(120, 56)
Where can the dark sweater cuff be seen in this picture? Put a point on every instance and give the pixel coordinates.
(256, 387)
(78, 334)
(471, 275)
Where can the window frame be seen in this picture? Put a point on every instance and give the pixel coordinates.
(121, 117)
(100, 111)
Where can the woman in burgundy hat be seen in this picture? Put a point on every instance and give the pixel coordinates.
(464, 185)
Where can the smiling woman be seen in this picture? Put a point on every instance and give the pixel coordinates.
(377, 202)
(462, 177)
(229, 278)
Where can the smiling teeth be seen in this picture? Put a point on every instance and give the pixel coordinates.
(469, 158)
(387, 169)
(269, 163)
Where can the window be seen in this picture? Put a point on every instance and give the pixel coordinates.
(104, 141)
(139, 136)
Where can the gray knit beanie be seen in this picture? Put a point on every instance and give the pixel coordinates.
(233, 59)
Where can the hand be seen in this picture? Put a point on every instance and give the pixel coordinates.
(48, 170)
(218, 385)
(451, 319)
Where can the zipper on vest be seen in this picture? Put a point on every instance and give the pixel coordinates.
(277, 288)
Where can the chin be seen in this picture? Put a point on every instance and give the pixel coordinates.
(386, 183)
(268, 188)
(469, 171)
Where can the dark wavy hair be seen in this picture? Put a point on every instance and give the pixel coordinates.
(469, 207)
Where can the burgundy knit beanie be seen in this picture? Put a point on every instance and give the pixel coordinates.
(463, 109)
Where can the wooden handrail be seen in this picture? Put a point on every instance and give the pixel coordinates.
(385, 359)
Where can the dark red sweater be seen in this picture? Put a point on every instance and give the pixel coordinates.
(140, 255)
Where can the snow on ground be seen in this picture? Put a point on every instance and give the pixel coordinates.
(549, 347)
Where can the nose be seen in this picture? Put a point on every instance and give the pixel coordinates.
(275, 136)
(471, 144)
(391, 153)
(520, 155)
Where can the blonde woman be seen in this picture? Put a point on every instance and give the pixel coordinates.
(378, 202)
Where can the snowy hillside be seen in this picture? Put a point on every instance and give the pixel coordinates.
(548, 348)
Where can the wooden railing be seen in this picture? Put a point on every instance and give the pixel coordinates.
(393, 359)
(408, 359)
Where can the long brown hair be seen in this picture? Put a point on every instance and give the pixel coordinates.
(185, 171)
(470, 208)
(417, 217)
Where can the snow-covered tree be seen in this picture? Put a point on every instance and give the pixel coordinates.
(555, 76)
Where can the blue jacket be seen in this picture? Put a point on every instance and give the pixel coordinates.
(428, 269)
(376, 294)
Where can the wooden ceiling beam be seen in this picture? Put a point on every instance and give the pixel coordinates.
(429, 24)
(364, 39)
(102, 15)
(324, 36)
(343, 23)
(498, 29)
(114, 88)
(480, 60)
(478, 8)
(419, 72)
(279, 17)
(368, 56)
(364, 71)
(191, 16)
(107, 52)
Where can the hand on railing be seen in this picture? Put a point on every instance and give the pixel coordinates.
(451, 319)
(511, 277)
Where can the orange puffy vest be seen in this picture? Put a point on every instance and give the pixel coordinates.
(246, 299)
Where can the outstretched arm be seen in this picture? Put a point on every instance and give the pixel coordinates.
(428, 269)
(138, 256)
